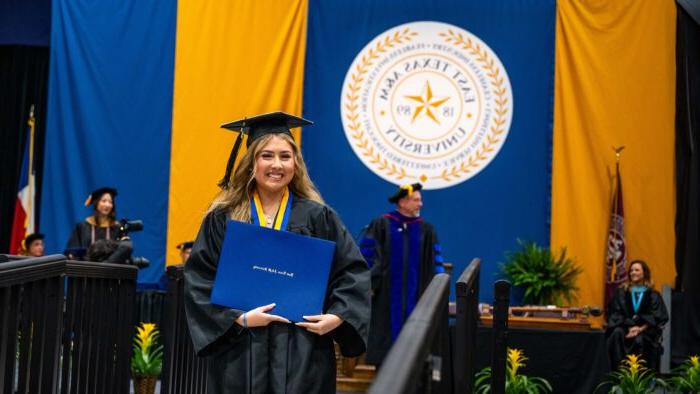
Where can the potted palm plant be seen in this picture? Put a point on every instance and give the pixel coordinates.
(147, 360)
(546, 279)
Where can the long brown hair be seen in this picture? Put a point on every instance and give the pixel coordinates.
(647, 275)
(111, 216)
(236, 198)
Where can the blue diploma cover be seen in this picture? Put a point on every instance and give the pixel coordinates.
(260, 266)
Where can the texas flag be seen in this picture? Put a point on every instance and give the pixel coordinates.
(23, 222)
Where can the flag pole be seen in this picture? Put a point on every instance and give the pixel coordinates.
(615, 230)
(618, 152)
(31, 225)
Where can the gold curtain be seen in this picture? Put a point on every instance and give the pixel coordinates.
(614, 85)
(233, 59)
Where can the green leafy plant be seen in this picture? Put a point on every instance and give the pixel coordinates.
(688, 379)
(546, 279)
(632, 377)
(515, 383)
(148, 354)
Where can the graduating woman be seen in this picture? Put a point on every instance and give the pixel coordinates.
(101, 224)
(636, 315)
(257, 351)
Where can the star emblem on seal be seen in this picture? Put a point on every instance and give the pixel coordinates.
(427, 102)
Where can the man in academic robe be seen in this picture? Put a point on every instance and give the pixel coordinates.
(403, 252)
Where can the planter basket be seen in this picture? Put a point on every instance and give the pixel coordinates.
(145, 384)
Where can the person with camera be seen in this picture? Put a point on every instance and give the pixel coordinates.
(102, 224)
(100, 237)
(111, 251)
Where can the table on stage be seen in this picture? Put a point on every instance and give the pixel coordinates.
(573, 361)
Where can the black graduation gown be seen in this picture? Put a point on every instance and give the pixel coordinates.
(279, 358)
(621, 316)
(81, 237)
(377, 248)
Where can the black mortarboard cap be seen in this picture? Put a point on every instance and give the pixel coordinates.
(404, 190)
(31, 238)
(186, 245)
(95, 195)
(256, 127)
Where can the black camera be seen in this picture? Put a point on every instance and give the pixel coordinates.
(139, 261)
(127, 226)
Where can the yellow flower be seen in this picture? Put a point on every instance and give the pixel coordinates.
(516, 360)
(145, 335)
(147, 358)
(634, 364)
(695, 361)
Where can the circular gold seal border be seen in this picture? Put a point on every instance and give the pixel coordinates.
(390, 169)
(501, 110)
(357, 77)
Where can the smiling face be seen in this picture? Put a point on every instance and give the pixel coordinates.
(105, 205)
(636, 274)
(274, 165)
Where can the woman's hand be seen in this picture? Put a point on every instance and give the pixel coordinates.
(321, 324)
(259, 317)
(634, 331)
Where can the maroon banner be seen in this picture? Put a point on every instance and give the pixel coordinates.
(616, 258)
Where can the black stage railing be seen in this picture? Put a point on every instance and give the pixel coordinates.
(65, 326)
(467, 317)
(408, 368)
(150, 306)
(183, 371)
(500, 336)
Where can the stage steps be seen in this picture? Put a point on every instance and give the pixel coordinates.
(352, 374)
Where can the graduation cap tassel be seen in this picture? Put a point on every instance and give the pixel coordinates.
(258, 127)
(231, 160)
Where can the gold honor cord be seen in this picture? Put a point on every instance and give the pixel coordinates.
(259, 214)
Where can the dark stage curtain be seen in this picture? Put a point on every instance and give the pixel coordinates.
(24, 72)
(686, 340)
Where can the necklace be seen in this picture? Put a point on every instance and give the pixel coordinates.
(274, 218)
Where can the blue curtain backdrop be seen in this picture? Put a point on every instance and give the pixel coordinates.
(110, 107)
(483, 216)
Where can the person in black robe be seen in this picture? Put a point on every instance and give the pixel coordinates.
(403, 252)
(33, 245)
(256, 351)
(636, 315)
(102, 224)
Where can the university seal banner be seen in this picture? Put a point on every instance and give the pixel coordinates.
(457, 97)
(427, 102)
